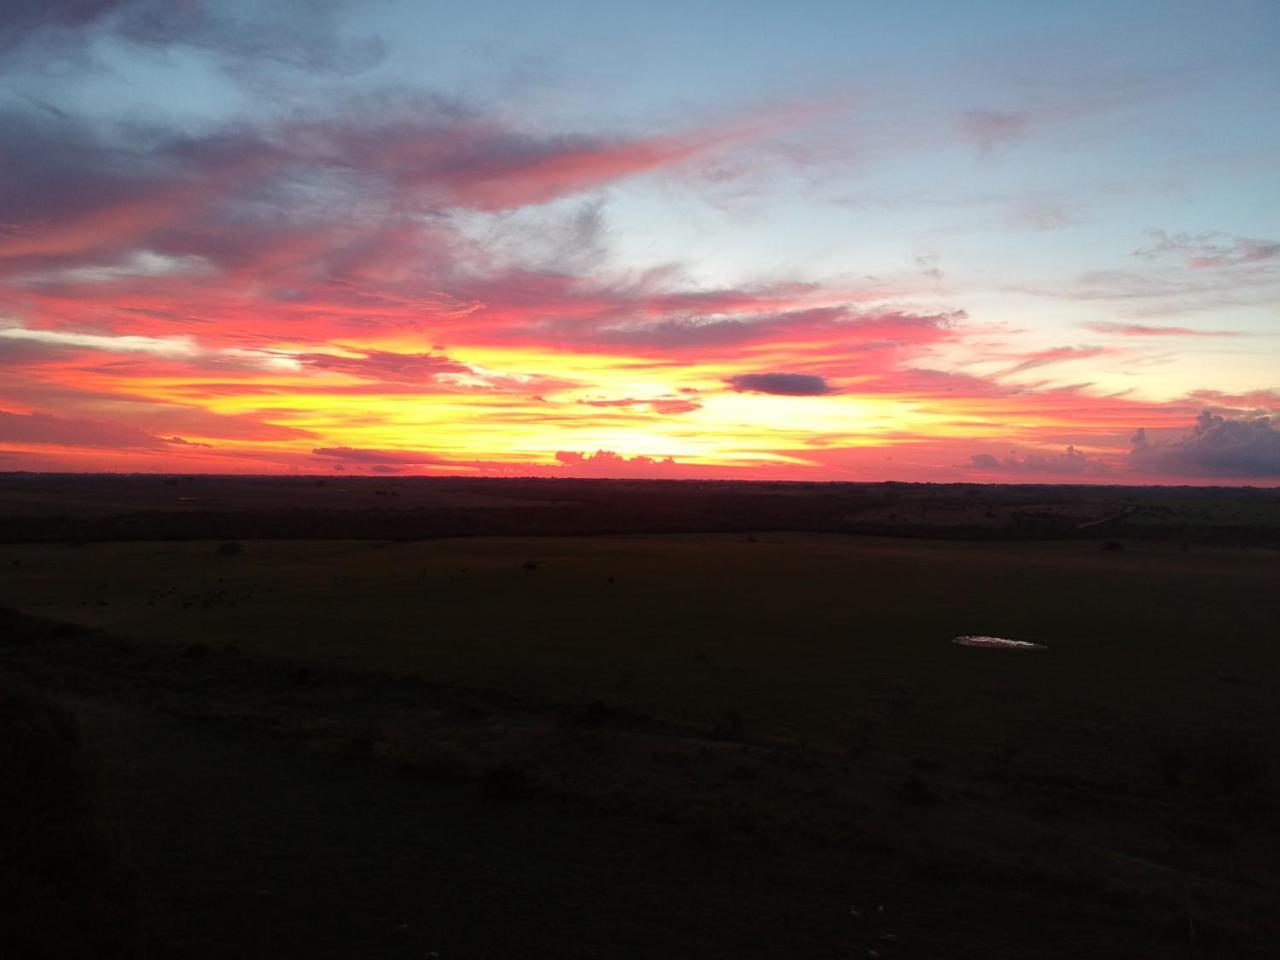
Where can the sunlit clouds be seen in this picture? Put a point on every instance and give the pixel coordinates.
(311, 252)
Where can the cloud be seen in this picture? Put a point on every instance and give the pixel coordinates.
(781, 384)
(1217, 447)
(20, 19)
(1148, 330)
(500, 170)
(607, 463)
(846, 324)
(340, 187)
(661, 405)
(1209, 250)
(1161, 295)
(404, 458)
(358, 265)
(43, 428)
(180, 442)
(1222, 270)
(1043, 358)
(1252, 402)
(426, 372)
(1070, 462)
(172, 348)
(1040, 214)
(300, 34)
(386, 366)
(991, 129)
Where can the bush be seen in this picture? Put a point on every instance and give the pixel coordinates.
(230, 550)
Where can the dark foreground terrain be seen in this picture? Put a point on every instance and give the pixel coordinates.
(404, 718)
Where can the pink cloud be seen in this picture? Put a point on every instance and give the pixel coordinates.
(1148, 330)
(1209, 250)
(1044, 358)
(666, 406)
(990, 129)
(44, 428)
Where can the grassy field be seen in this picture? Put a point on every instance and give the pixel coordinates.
(798, 634)
(716, 744)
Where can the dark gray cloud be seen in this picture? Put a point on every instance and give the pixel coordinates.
(1247, 448)
(180, 442)
(1070, 462)
(782, 384)
(23, 20)
(351, 185)
(302, 34)
(387, 366)
(73, 193)
(361, 455)
(701, 330)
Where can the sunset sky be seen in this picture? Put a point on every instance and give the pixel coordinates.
(948, 241)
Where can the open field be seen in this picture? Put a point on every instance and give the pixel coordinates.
(697, 743)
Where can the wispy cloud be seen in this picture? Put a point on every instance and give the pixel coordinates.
(1053, 355)
(1151, 330)
(1209, 250)
(992, 129)
(299, 34)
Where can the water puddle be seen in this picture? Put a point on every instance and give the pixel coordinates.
(997, 643)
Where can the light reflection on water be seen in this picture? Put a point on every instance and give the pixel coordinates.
(998, 643)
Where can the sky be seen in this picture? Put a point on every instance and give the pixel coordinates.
(951, 241)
